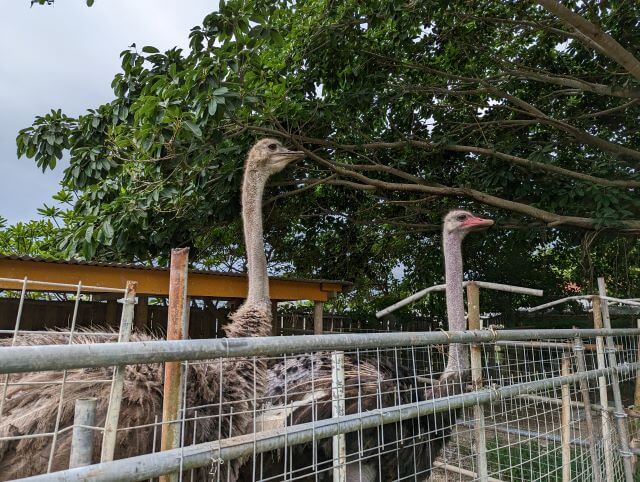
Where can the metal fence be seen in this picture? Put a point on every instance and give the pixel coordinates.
(538, 405)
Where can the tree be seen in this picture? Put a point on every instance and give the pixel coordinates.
(405, 109)
(33, 238)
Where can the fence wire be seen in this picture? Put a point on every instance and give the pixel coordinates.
(547, 413)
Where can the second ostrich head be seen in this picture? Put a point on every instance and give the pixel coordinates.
(266, 157)
(457, 224)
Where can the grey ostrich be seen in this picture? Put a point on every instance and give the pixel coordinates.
(32, 409)
(299, 391)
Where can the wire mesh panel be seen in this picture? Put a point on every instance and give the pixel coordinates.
(266, 410)
(36, 409)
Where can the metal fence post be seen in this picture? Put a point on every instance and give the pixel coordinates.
(473, 309)
(176, 330)
(565, 417)
(604, 397)
(337, 411)
(581, 364)
(82, 437)
(620, 414)
(117, 384)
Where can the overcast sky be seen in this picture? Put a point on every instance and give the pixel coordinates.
(65, 56)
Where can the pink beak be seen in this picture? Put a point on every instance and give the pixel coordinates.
(476, 222)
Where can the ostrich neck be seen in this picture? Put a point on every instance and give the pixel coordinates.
(458, 361)
(252, 190)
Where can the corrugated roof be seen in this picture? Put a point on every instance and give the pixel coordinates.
(156, 268)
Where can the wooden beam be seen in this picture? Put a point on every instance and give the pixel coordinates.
(155, 282)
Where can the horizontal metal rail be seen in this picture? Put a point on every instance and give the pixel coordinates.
(85, 288)
(482, 284)
(201, 455)
(18, 359)
(622, 301)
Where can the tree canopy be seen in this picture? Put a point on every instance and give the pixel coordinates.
(523, 111)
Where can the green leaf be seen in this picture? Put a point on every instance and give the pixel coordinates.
(213, 106)
(193, 128)
(150, 49)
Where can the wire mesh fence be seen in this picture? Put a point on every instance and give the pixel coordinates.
(335, 407)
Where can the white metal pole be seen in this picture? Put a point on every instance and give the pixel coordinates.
(337, 411)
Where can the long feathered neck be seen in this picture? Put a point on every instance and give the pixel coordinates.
(252, 191)
(253, 318)
(458, 361)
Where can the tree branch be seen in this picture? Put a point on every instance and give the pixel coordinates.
(552, 219)
(540, 166)
(572, 82)
(606, 42)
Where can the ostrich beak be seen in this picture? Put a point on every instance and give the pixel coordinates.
(285, 154)
(477, 223)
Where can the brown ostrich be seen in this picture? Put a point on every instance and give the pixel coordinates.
(32, 409)
(400, 451)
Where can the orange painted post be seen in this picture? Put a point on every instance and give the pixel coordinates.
(176, 330)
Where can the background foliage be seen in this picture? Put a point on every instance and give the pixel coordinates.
(406, 109)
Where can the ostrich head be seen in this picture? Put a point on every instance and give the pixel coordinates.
(463, 222)
(269, 156)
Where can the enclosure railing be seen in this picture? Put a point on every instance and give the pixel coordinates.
(27, 358)
(533, 394)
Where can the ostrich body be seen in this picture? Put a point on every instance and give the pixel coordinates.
(299, 391)
(32, 409)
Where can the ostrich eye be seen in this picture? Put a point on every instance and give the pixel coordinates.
(461, 217)
(272, 147)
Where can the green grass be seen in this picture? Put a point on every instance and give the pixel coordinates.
(529, 461)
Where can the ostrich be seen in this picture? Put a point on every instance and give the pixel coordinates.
(32, 409)
(299, 391)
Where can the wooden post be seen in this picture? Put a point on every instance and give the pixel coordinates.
(337, 411)
(604, 398)
(565, 420)
(473, 309)
(620, 414)
(117, 383)
(176, 330)
(142, 314)
(318, 328)
(276, 329)
(636, 394)
(581, 364)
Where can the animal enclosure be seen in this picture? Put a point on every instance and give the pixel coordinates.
(540, 405)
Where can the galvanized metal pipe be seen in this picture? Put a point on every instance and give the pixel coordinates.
(581, 364)
(85, 288)
(620, 414)
(82, 437)
(19, 359)
(604, 397)
(201, 455)
(432, 289)
(337, 412)
(558, 302)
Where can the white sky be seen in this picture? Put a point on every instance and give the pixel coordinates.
(65, 56)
